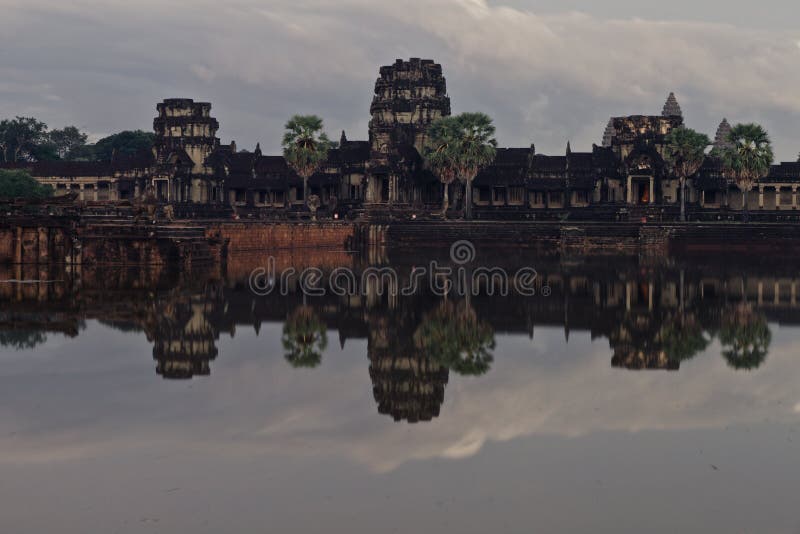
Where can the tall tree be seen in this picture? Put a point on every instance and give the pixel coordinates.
(19, 184)
(685, 152)
(305, 147)
(440, 154)
(20, 137)
(66, 140)
(748, 158)
(126, 142)
(474, 148)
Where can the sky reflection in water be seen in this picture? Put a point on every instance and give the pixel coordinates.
(637, 396)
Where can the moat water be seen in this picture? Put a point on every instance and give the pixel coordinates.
(619, 395)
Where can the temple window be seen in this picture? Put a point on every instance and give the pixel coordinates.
(483, 194)
(537, 198)
(498, 195)
(516, 195)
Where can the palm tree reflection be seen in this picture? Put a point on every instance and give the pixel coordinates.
(745, 337)
(454, 336)
(305, 338)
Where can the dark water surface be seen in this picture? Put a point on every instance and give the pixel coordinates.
(626, 395)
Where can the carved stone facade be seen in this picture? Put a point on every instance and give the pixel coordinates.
(624, 178)
(409, 96)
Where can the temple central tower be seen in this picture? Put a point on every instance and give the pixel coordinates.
(409, 95)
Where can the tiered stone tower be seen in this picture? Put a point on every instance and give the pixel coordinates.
(186, 135)
(184, 337)
(409, 95)
(721, 141)
(407, 386)
(671, 107)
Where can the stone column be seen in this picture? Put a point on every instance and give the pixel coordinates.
(80, 188)
(761, 197)
(652, 190)
(777, 197)
(95, 193)
(703, 198)
(777, 293)
(629, 196)
(18, 248)
(43, 242)
(627, 296)
(794, 197)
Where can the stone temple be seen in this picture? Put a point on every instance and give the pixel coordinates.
(624, 176)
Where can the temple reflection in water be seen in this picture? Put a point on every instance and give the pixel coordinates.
(654, 316)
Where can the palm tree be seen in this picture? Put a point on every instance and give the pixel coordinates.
(473, 148)
(305, 147)
(748, 158)
(685, 152)
(440, 154)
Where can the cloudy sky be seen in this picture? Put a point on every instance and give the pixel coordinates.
(548, 71)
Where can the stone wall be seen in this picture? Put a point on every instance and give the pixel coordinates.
(261, 236)
(31, 241)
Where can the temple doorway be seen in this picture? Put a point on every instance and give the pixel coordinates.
(384, 189)
(640, 190)
(643, 195)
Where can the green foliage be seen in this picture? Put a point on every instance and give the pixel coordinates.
(460, 146)
(745, 337)
(305, 338)
(127, 142)
(305, 145)
(685, 151)
(683, 339)
(19, 184)
(749, 157)
(27, 139)
(66, 141)
(440, 153)
(454, 337)
(20, 137)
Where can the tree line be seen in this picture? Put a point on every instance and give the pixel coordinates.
(27, 139)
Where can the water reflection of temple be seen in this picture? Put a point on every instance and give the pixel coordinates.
(407, 384)
(653, 316)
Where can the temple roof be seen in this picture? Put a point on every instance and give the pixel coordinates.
(142, 159)
(671, 107)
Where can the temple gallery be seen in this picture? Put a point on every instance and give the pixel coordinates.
(625, 174)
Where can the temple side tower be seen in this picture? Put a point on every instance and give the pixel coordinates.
(409, 95)
(185, 136)
(721, 140)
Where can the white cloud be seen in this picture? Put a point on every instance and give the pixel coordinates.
(259, 64)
